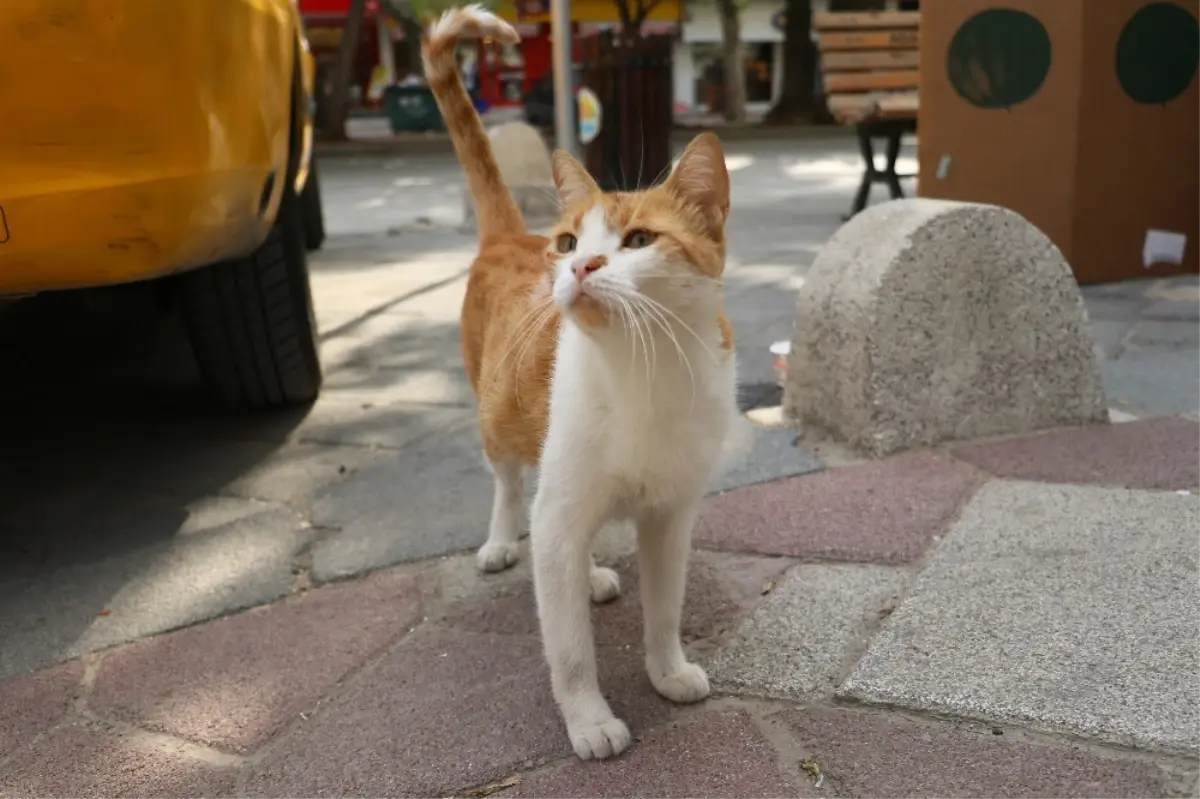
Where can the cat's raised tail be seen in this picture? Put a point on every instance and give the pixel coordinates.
(496, 210)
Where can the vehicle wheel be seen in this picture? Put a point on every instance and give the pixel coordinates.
(314, 215)
(251, 320)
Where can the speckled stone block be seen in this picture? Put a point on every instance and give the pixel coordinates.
(924, 321)
(1065, 608)
(795, 643)
(859, 751)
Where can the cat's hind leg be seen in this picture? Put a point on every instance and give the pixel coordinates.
(605, 583)
(664, 544)
(504, 532)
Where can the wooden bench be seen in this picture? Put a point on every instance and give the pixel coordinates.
(869, 72)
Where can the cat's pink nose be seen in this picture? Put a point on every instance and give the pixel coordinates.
(582, 267)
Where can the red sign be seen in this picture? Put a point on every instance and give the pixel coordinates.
(334, 8)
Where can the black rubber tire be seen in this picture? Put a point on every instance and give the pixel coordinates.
(314, 215)
(251, 321)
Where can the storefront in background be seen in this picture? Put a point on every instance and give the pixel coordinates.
(699, 65)
(380, 48)
(506, 73)
(699, 61)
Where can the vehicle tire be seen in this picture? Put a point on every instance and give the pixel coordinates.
(314, 215)
(251, 320)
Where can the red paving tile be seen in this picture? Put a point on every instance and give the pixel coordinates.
(90, 760)
(1156, 453)
(887, 511)
(33, 703)
(444, 711)
(718, 754)
(868, 754)
(234, 682)
(717, 598)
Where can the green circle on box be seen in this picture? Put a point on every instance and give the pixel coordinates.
(999, 58)
(1157, 53)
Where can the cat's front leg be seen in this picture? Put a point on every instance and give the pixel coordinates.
(664, 544)
(564, 523)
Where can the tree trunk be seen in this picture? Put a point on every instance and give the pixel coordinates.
(796, 100)
(412, 35)
(731, 55)
(339, 98)
(403, 15)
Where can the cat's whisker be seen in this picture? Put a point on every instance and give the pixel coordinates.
(631, 327)
(634, 302)
(685, 325)
(648, 337)
(663, 323)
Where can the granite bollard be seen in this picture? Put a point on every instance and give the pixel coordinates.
(524, 161)
(924, 321)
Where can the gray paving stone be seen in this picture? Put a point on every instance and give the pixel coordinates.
(197, 574)
(432, 498)
(757, 454)
(1181, 310)
(366, 421)
(796, 642)
(1171, 335)
(1061, 607)
(1153, 382)
(1109, 336)
(1128, 290)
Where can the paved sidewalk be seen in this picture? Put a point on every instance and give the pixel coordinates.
(1002, 618)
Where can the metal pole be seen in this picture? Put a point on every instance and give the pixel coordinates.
(564, 99)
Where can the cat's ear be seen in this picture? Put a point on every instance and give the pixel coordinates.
(573, 181)
(701, 180)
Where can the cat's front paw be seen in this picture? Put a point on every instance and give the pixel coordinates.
(495, 556)
(606, 584)
(597, 740)
(689, 684)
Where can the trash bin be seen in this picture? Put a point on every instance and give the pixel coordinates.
(412, 109)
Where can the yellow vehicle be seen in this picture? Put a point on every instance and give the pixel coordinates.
(169, 140)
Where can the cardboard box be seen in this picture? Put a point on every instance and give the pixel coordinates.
(1081, 115)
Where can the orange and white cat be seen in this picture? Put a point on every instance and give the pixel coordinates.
(601, 356)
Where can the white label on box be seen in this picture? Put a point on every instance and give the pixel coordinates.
(943, 169)
(1163, 247)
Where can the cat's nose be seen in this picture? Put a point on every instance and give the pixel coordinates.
(582, 267)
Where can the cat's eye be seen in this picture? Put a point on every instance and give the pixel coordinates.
(637, 239)
(565, 243)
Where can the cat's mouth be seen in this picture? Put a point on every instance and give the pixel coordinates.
(587, 308)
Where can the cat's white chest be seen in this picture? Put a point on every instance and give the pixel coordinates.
(651, 441)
